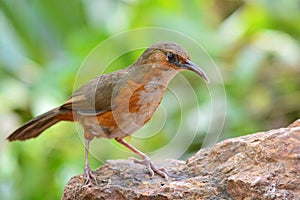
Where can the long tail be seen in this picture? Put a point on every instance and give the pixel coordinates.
(36, 126)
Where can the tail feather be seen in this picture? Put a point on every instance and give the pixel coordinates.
(36, 126)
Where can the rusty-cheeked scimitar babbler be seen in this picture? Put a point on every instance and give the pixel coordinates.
(117, 104)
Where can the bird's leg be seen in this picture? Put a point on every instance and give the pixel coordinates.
(145, 160)
(88, 174)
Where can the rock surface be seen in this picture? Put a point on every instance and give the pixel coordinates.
(265, 165)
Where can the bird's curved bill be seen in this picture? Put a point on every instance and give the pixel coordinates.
(195, 68)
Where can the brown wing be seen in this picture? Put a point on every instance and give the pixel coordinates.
(94, 96)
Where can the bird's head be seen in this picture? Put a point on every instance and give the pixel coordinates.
(172, 55)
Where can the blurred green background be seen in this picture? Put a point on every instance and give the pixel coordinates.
(255, 45)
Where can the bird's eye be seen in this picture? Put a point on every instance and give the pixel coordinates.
(172, 58)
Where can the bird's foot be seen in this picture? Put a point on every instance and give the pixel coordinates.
(89, 176)
(151, 167)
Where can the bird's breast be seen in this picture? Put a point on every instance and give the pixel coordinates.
(135, 104)
(134, 100)
(138, 97)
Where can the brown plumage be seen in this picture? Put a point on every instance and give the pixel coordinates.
(116, 105)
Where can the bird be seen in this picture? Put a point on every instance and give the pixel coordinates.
(117, 104)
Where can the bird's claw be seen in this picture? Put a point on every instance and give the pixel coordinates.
(151, 167)
(89, 176)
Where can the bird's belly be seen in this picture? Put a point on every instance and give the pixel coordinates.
(130, 111)
(116, 124)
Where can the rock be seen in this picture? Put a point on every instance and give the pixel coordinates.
(263, 165)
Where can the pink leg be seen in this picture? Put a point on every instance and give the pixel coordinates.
(88, 174)
(146, 160)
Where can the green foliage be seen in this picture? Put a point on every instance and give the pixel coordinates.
(255, 45)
